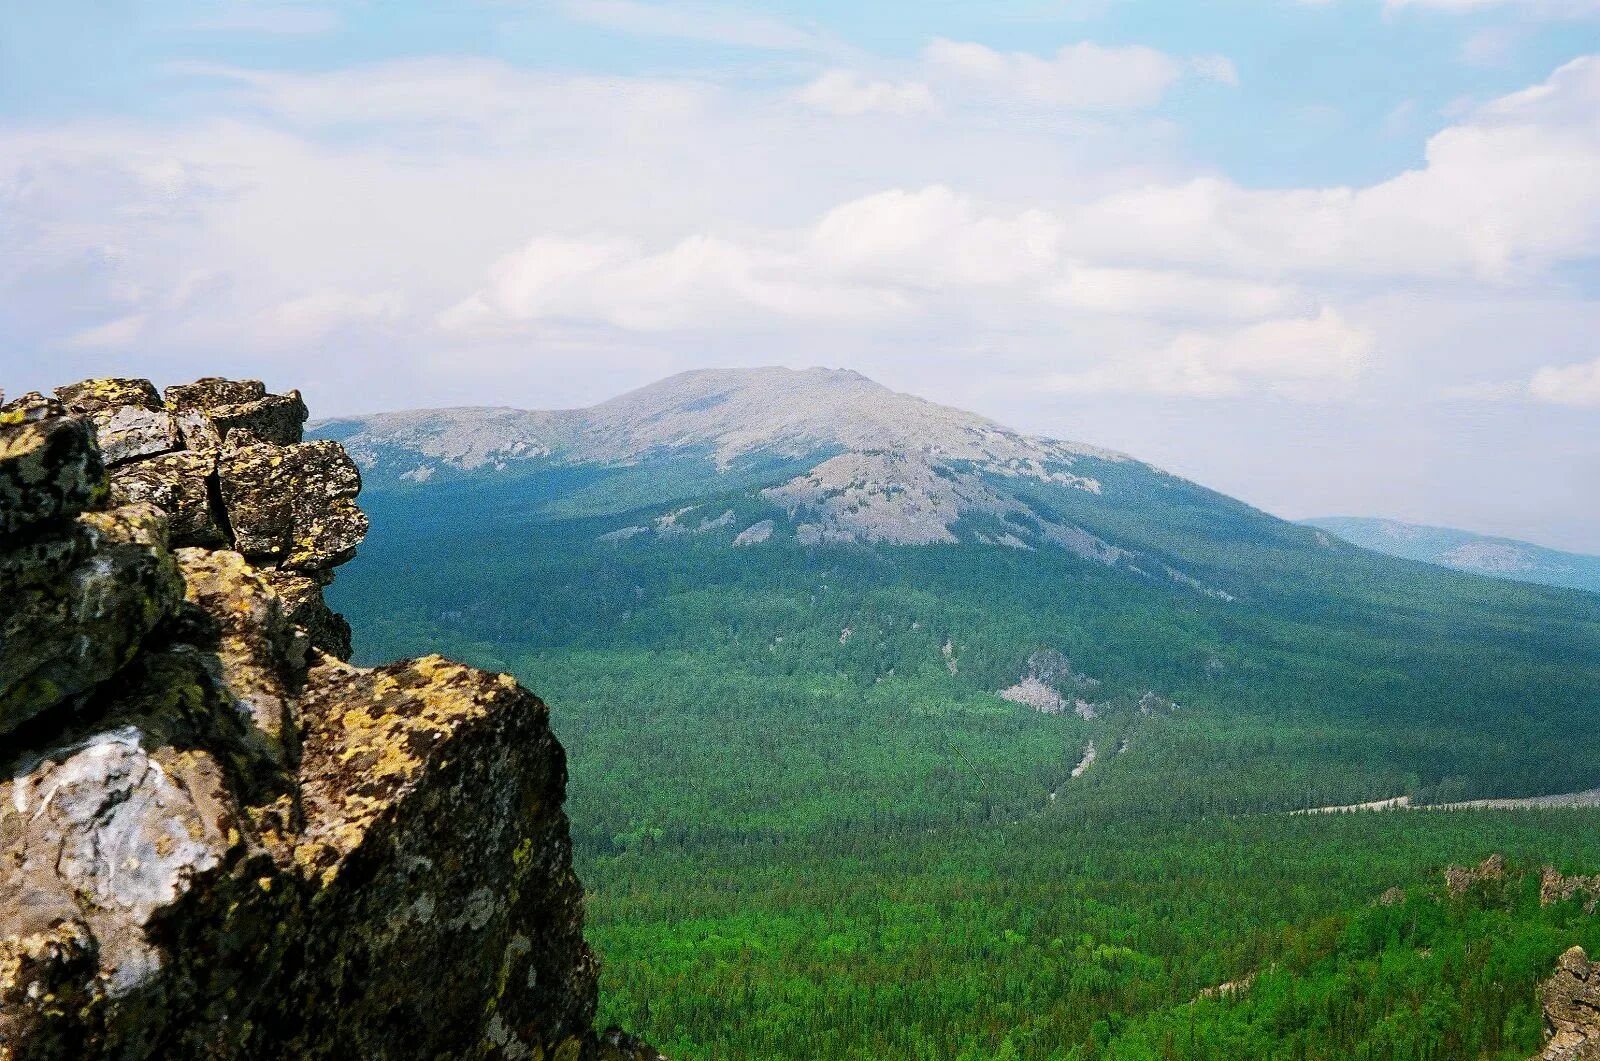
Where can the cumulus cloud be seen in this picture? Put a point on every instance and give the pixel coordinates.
(848, 93)
(1172, 294)
(1504, 194)
(688, 285)
(933, 238)
(471, 209)
(1576, 385)
(1306, 358)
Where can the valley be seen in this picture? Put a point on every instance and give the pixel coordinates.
(827, 662)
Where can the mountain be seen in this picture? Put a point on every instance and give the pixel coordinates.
(1467, 551)
(820, 508)
(837, 459)
(896, 733)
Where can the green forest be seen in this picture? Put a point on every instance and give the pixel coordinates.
(810, 828)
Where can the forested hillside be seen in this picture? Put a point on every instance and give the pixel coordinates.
(983, 744)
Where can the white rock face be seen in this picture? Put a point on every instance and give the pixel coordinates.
(1036, 694)
(883, 497)
(1086, 762)
(1500, 558)
(754, 534)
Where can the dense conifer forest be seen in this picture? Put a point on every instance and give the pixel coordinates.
(810, 827)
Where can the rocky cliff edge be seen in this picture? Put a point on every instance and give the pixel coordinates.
(217, 838)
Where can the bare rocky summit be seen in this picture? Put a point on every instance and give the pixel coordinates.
(878, 467)
(730, 413)
(217, 838)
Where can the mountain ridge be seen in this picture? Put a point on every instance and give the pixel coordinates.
(813, 456)
(733, 412)
(1493, 556)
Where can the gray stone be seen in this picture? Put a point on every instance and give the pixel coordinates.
(293, 506)
(180, 484)
(76, 619)
(127, 414)
(50, 467)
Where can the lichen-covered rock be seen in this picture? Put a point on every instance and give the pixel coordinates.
(127, 414)
(211, 412)
(250, 643)
(181, 485)
(306, 608)
(107, 831)
(485, 909)
(233, 845)
(1571, 1003)
(32, 402)
(293, 506)
(46, 983)
(79, 602)
(49, 467)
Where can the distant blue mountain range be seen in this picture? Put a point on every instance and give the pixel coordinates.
(1466, 551)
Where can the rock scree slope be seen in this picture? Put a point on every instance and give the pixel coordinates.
(217, 838)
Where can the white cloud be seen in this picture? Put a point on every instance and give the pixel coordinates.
(1305, 358)
(429, 98)
(113, 333)
(1505, 194)
(1082, 76)
(1576, 385)
(848, 93)
(934, 238)
(689, 285)
(1166, 294)
(313, 316)
(1548, 8)
(468, 211)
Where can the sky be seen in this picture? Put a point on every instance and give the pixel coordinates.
(1335, 258)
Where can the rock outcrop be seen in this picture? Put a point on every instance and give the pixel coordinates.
(1571, 1003)
(1458, 880)
(1557, 887)
(218, 839)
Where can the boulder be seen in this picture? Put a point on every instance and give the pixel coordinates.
(211, 412)
(127, 414)
(1458, 880)
(1557, 887)
(486, 910)
(293, 506)
(79, 603)
(50, 467)
(422, 904)
(180, 484)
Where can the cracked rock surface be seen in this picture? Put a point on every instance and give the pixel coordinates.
(217, 838)
(1571, 1002)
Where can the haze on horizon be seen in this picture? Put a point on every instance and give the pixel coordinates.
(1333, 257)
